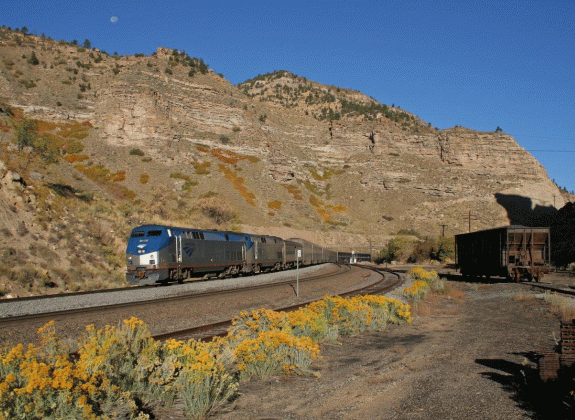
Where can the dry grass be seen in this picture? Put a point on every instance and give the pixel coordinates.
(562, 306)
(442, 302)
(275, 205)
(523, 297)
(238, 183)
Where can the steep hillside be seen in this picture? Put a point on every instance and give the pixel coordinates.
(105, 142)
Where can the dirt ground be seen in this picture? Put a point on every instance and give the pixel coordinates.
(471, 353)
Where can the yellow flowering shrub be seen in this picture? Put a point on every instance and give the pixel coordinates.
(417, 290)
(424, 281)
(249, 325)
(193, 371)
(274, 351)
(419, 273)
(43, 382)
(358, 313)
(122, 372)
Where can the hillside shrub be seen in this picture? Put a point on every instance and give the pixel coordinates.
(201, 167)
(275, 205)
(136, 152)
(398, 249)
(215, 210)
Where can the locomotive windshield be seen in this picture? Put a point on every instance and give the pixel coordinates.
(142, 233)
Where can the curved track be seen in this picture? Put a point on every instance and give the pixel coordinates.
(388, 282)
(169, 316)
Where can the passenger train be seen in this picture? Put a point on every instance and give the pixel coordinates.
(160, 254)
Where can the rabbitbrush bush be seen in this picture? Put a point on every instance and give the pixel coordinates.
(424, 281)
(122, 372)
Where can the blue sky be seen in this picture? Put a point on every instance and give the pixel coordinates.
(479, 64)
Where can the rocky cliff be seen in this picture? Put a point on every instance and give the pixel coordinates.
(278, 151)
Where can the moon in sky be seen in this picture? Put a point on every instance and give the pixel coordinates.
(114, 19)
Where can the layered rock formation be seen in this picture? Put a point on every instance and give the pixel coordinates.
(335, 159)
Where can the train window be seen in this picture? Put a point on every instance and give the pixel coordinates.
(154, 233)
(138, 234)
(263, 240)
(227, 237)
(198, 235)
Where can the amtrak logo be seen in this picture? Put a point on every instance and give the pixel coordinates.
(141, 246)
(189, 250)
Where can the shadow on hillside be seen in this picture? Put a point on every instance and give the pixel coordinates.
(520, 211)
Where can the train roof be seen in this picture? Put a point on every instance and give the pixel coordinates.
(509, 227)
(212, 232)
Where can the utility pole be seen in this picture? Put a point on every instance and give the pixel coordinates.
(443, 230)
(471, 217)
(370, 244)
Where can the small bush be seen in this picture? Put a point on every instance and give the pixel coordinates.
(136, 152)
(275, 205)
(215, 210)
(201, 168)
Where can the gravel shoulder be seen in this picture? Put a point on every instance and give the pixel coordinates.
(468, 354)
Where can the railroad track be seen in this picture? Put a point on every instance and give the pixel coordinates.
(389, 281)
(177, 311)
(557, 288)
(151, 301)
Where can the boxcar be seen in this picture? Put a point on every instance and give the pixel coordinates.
(514, 252)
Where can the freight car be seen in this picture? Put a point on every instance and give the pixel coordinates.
(158, 254)
(514, 252)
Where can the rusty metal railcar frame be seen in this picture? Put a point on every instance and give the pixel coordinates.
(515, 252)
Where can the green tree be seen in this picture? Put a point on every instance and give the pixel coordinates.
(444, 249)
(87, 44)
(24, 133)
(423, 250)
(398, 249)
(33, 59)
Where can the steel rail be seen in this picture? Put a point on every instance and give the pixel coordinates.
(208, 331)
(166, 299)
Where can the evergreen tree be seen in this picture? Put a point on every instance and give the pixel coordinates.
(33, 59)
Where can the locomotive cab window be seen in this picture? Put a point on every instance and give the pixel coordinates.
(154, 233)
(138, 234)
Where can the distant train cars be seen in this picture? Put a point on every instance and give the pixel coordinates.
(352, 257)
(158, 254)
(514, 252)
